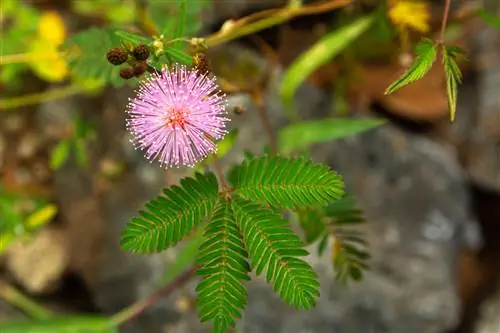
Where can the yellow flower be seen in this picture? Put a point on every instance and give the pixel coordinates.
(51, 27)
(411, 14)
(48, 63)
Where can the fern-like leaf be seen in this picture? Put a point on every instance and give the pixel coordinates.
(224, 267)
(426, 55)
(87, 56)
(287, 182)
(452, 54)
(273, 246)
(348, 244)
(168, 218)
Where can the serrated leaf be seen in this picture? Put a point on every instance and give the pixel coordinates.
(274, 247)
(168, 218)
(319, 54)
(453, 75)
(221, 295)
(60, 325)
(287, 182)
(301, 135)
(60, 154)
(426, 55)
(88, 50)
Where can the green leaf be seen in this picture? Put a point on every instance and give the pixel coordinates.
(87, 50)
(80, 152)
(41, 217)
(349, 245)
(301, 135)
(426, 55)
(452, 54)
(60, 154)
(274, 247)
(60, 325)
(133, 38)
(168, 218)
(287, 182)
(185, 258)
(181, 22)
(176, 55)
(319, 54)
(221, 295)
(491, 19)
(311, 222)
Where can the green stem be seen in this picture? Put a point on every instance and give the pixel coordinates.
(17, 299)
(278, 17)
(16, 102)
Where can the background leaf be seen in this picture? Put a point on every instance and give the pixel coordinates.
(60, 325)
(319, 54)
(60, 154)
(426, 55)
(301, 135)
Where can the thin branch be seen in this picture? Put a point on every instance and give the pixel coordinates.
(139, 307)
(17, 299)
(219, 172)
(444, 21)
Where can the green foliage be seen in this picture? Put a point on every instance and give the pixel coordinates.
(241, 227)
(319, 54)
(337, 224)
(21, 216)
(426, 55)
(87, 56)
(287, 182)
(273, 246)
(491, 19)
(452, 54)
(224, 267)
(303, 134)
(168, 218)
(60, 325)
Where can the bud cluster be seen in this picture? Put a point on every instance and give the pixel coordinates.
(136, 59)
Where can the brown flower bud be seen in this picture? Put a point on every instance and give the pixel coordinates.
(117, 55)
(126, 73)
(140, 68)
(141, 52)
(201, 63)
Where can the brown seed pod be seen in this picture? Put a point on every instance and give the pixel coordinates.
(117, 55)
(141, 52)
(140, 68)
(126, 73)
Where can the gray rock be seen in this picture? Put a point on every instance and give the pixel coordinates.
(489, 321)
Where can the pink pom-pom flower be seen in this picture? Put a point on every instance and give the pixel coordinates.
(177, 115)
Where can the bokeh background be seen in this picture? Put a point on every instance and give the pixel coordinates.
(430, 189)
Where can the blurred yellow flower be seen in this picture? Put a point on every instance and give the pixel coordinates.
(48, 63)
(51, 27)
(411, 14)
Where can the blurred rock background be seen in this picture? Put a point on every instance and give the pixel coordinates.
(430, 191)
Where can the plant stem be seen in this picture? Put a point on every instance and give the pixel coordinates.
(219, 172)
(16, 102)
(272, 17)
(444, 21)
(137, 308)
(17, 299)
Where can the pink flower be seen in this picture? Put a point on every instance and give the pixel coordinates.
(177, 115)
